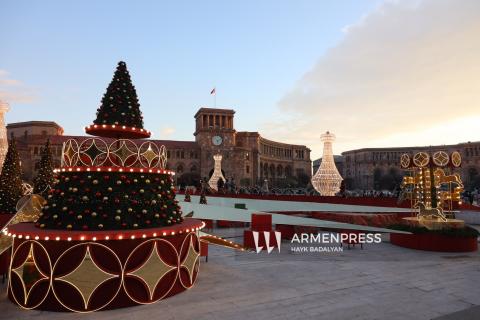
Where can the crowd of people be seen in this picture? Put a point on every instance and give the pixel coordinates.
(229, 186)
(472, 197)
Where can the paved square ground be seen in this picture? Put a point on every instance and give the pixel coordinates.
(380, 282)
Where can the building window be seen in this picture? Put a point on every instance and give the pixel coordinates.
(179, 169)
(35, 150)
(247, 169)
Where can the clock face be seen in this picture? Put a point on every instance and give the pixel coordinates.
(217, 140)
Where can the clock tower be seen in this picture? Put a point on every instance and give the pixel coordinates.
(214, 133)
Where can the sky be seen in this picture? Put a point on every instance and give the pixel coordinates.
(376, 73)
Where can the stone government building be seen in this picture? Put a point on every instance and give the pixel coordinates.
(359, 165)
(247, 156)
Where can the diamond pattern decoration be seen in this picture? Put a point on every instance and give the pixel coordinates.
(69, 152)
(33, 273)
(421, 159)
(405, 160)
(149, 154)
(123, 152)
(87, 285)
(440, 158)
(191, 259)
(163, 157)
(456, 159)
(93, 151)
(152, 271)
(120, 153)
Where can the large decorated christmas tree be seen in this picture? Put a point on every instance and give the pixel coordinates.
(109, 184)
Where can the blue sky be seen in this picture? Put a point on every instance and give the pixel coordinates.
(59, 56)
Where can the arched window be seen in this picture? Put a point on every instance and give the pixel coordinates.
(179, 169)
(279, 171)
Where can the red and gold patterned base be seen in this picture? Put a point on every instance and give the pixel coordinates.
(87, 275)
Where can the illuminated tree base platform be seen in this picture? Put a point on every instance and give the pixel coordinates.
(435, 224)
(79, 271)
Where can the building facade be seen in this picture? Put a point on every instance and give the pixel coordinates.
(360, 166)
(248, 158)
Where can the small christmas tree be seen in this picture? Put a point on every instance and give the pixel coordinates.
(120, 103)
(10, 181)
(187, 196)
(44, 179)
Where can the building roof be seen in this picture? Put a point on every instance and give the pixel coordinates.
(214, 110)
(393, 149)
(33, 124)
(283, 144)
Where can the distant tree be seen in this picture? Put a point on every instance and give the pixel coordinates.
(349, 183)
(377, 175)
(10, 181)
(386, 182)
(44, 179)
(473, 179)
(302, 180)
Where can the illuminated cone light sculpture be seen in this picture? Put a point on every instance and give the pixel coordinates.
(3, 133)
(217, 172)
(327, 180)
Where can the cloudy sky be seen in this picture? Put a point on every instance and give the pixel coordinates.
(393, 73)
(407, 73)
